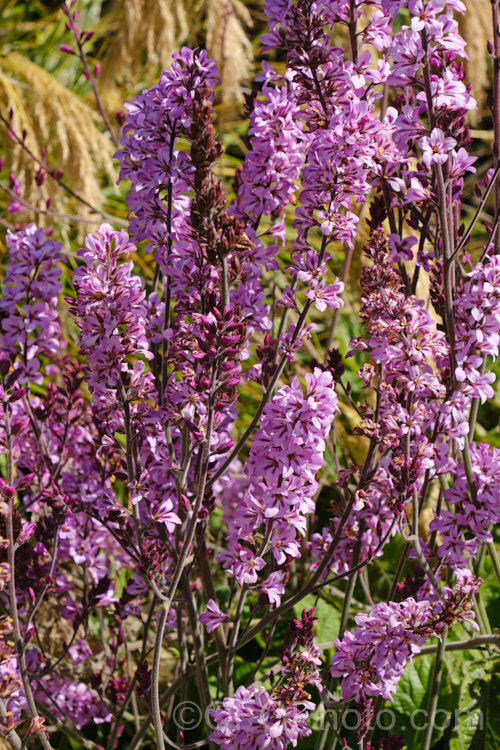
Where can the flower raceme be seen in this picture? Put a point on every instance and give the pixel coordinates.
(276, 719)
(111, 302)
(286, 454)
(30, 324)
(371, 659)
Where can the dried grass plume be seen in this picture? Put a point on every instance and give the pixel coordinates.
(58, 120)
(147, 32)
(228, 43)
(476, 27)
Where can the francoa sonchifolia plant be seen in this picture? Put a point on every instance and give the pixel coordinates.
(134, 503)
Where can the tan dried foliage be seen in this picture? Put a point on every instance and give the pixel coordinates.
(147, 32)
(55, 118)
(228, 43)
(476, 27)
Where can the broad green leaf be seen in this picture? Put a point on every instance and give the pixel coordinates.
(492, 739)
(408, 714)
(469, 719)
(477, 720)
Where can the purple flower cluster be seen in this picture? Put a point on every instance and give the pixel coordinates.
(30, 322)
(200, 250)
(286, 455)
(463, 530)
(402, 339)
(110, 301)
(477, 311)
(149, 157)
(74, 699)
(253, 718)
(371, 659)
(277, 720)
(343, 159)
(278, 149)
(433, 31)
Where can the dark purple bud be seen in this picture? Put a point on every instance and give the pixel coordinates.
(17, 395)
(121, 117)
(24, 481)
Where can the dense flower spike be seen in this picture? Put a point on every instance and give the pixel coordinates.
(30, 322)
(477, 331)
(110, 300)
(463, 530)
(371, 660)
(278, 150)
(276, 720)
(253, 718)
(149, 155)
(286, 454)
(402, 339)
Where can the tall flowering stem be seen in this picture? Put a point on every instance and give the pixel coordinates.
(495, 50)
(9, 493)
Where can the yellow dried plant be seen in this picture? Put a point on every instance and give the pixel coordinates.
(58, 120)
(228, 43)
(146, 33)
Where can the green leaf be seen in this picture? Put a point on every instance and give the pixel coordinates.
(477, 721)
(409, 711)
(472, 705)
(492, 740)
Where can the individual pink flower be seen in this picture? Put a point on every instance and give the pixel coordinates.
(213, 617)
(436, 147)
(401, 247)
(327, 296)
